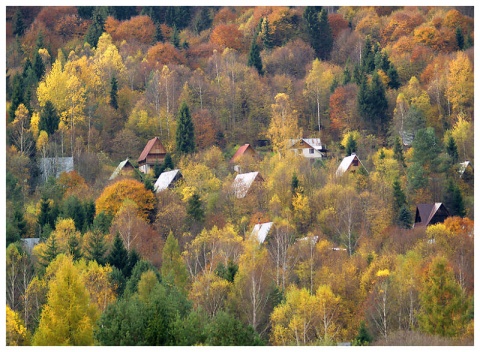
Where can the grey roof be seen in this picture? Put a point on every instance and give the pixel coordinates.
(243, 182)
(55, 166)
(260, 231)
(430, 213)
(29, 243)
(119, 168)
(166, 179)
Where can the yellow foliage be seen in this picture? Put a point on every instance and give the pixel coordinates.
(114, 195)
(383, 273)
(15, 330)
(34, 121)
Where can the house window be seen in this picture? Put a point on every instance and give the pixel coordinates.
(311, 150)
(355, 162)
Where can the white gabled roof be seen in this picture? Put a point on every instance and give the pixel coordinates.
(260, 231)
(243, 182)
(345, 164)
(316, 143)
(118, 169)
(165, 179)
(463, 167)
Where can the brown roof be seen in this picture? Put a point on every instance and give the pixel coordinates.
(241, 151)
(428, 214)
(149, 147)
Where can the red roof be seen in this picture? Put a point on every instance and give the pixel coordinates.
(149, 147)
(240, 152)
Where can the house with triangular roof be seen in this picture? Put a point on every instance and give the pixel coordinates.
(465, 169)
(350, 163)
(310, 148)
(153, 153)
(124, 168)
(430, 214)
(260, 231)
(244, 150)
(167, 179)
(243, 183)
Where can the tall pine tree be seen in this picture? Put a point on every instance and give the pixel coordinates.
(185, 135)
(97, 27)
(114, 93)
(254, 59)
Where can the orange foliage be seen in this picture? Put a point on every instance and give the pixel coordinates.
(73, 184)
(163, 54)
(138, 29)
(402, 23)
(224, 16)
(343, 108)
(205, 128)
(337, 23)
(438, 40)
(459, 226)
(111, 25)
(454, 19)
(437, 66)
(227, 36)
(113, 196)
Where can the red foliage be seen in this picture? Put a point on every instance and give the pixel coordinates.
(337, 23)
(163, 54)
(50, 15)
(137, 29)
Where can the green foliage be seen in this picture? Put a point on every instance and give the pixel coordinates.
(74, 248)
(452, 150)
(453, 199)
(316, 21)
(38, 66)
(398, 151)
(72, 208)
(118, 256)
(254, 59)
(142, 266)
(444, 307)
(373, 104)
(228, 272)
(18, 25)
(49, 118)
(96, 247)
(18, 90)
(363, 337)
(102, 222)
(172, 264)
(405, 218)
(175, 38)
(97, 27)
(459, 38)
(195, 209)
(426, 149)
(114, 93)
(226, 330)
(295, 183)
(203, 20)
(351, 146)
(185, 135)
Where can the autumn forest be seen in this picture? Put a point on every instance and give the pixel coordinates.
(239, 175)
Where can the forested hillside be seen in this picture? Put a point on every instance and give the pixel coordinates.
(347, 219)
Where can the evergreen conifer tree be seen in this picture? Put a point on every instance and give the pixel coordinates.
(118, 256)
(114, 93)
(452, 149)
(175, 38)
(267, 35)
(398, 151)
(453, 199)
(351, 146)
(326, 36)
(404, 219)
(185, 135)
(97, 27)
(254, 59)
(194, 208)
(18, 90)
(96, 247)
(460, 39)
(38, 66)
(18, 25)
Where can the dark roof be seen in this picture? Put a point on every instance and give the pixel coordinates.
(149, 147)
(431, 213)
(241, 151)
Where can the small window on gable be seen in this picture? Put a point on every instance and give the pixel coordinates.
(355, 162)
(311, 151)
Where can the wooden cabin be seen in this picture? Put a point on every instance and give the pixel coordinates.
(153, 153)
